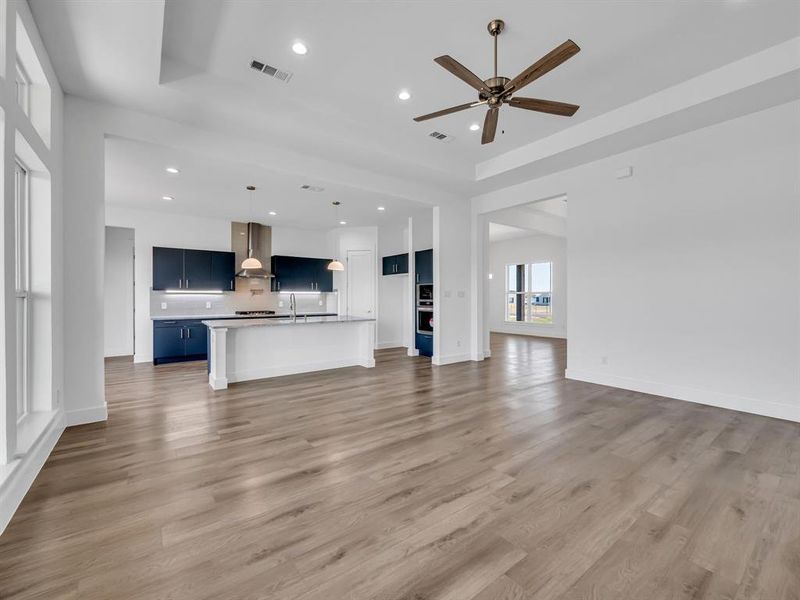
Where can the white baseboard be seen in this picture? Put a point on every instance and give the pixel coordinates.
(141, 357)
(450, 359)
(86, 415)
(764, 408)
(531, 330)
(386, 345)
(22, 472)
(413, 352)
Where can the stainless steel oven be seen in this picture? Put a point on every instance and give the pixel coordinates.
(425, 320)
(424, 294)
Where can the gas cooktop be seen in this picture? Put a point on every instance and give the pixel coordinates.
(254, 313)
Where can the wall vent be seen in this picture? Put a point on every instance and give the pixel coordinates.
(442, 137)
(311, 188)
(266, 69)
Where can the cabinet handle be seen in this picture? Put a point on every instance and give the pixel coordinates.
(181, 332)
(180, 283)
(231, 283)
(187, 284)
(188, 333)
(279, 285)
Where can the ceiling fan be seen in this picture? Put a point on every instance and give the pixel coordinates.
(497, 91)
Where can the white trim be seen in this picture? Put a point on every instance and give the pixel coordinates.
(449, 360)
(531, 329)
(386, 345)
(764, 408)
(83, 416)
(22, 474)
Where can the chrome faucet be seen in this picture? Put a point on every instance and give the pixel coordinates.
(293, 306)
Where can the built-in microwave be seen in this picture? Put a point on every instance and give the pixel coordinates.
(425, 320)
(424, 294)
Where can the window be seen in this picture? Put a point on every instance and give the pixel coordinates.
(22, 279)
(23, 83)
(529, 293)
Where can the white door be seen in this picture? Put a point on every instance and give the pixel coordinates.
(360, 283)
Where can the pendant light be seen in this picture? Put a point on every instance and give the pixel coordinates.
(250, 262)
(336, 264)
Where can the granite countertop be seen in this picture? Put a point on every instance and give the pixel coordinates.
(234, 316)
(273, 322)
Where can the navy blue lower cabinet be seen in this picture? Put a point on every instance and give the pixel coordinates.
(179, 340)
(424, 344)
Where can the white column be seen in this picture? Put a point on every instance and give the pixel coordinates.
(217, 375)
(367, 344)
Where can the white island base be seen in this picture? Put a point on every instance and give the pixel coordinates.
(247, 349)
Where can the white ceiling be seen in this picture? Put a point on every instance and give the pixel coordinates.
(542, 217)
(136, 177)
(500, 233)
(187, 60)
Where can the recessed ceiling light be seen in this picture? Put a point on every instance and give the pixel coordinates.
(299, 48)
(272, 213)
(167, 198)
(381, 208)
(474, 127)
(404, 95)
(342, 222)
(172, 170)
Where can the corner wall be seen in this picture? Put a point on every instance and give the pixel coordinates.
(684, 280)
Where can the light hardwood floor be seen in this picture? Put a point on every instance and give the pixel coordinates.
(475, 481)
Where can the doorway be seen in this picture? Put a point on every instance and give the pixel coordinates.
(119, 292)
(360, 283)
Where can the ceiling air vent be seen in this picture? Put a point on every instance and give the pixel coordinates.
(311, 188)
(266, 69)
(442, 137)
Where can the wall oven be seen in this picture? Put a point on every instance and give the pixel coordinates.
(424, 294)
(425, 320)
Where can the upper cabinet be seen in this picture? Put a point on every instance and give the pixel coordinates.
(396, 264)
(423, 264)
(301, 274)
(198, 270)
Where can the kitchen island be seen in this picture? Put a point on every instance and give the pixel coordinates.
(247, 349)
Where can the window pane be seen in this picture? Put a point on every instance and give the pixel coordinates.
(515, 307)
(540, 277)
(515, 278)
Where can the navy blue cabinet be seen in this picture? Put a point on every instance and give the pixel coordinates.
(167, 268)
(395, 264)
(183, 269)
(424, 344)
(179, 340)
(423, 264)
(301, 274)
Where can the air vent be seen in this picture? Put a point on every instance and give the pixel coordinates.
(311, 188)
(442, 137)
(266, 69)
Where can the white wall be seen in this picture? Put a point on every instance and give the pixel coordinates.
(684, 279)
(118, 292)
(340, 241)
(535, 248)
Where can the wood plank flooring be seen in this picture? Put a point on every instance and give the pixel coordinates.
(497, 480)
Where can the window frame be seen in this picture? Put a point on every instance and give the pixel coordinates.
(22, 268)
(523, 300)
(23, 84)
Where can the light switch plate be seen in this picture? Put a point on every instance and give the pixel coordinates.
(163, 306)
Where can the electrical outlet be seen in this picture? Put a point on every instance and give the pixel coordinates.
(208, 304)
(163, 306)
(280, 304)
(320, 303)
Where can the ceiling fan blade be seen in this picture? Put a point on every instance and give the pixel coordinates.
(544, 65)
(545, 106)
(462, 72)
(447, 111)
(490, 126)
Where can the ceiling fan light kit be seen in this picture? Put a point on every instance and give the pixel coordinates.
(498, 90)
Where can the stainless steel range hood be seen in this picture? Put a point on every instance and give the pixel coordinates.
(252, 240)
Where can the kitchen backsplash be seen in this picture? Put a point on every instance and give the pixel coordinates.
(249, 295)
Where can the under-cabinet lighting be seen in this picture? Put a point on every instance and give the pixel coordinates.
(184, 292)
